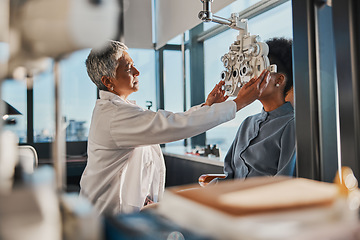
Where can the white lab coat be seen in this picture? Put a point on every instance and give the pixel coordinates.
(125, 162)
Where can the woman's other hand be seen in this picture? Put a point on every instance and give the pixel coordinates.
(252, 90)
(217, 95)
(148, 201)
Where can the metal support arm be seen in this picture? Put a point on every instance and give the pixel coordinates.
(206, 16)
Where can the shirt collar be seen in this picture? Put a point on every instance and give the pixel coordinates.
(280, 111)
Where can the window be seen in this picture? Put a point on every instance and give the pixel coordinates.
(173, 84)
(173, 81)
(77, 99)
(276, 22)
(44, 106)
(14, 93)
(144, 60)
(78, 96)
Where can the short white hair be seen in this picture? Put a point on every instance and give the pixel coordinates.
(104, 61)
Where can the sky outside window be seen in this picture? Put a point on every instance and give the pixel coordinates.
(173, 85)
(144, 61)
(78, 96)
(14, 93)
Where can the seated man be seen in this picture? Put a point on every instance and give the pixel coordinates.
(265, 143)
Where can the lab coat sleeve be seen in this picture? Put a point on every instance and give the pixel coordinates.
(135, 126)
(286, 165)
(194, 108)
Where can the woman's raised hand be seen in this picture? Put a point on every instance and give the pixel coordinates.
(217, 95)
(252, 90)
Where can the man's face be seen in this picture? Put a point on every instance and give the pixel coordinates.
(126, 80)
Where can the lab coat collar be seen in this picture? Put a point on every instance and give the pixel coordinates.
(106, 95)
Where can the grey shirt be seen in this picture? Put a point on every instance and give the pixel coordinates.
(264, 145)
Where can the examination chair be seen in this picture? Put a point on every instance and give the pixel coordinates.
(28, 158)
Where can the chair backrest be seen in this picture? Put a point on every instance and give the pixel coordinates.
(28, 158)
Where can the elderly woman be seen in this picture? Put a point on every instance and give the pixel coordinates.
(125, 167)
(265, 143)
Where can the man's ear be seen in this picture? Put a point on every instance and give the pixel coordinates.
(106, 81)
